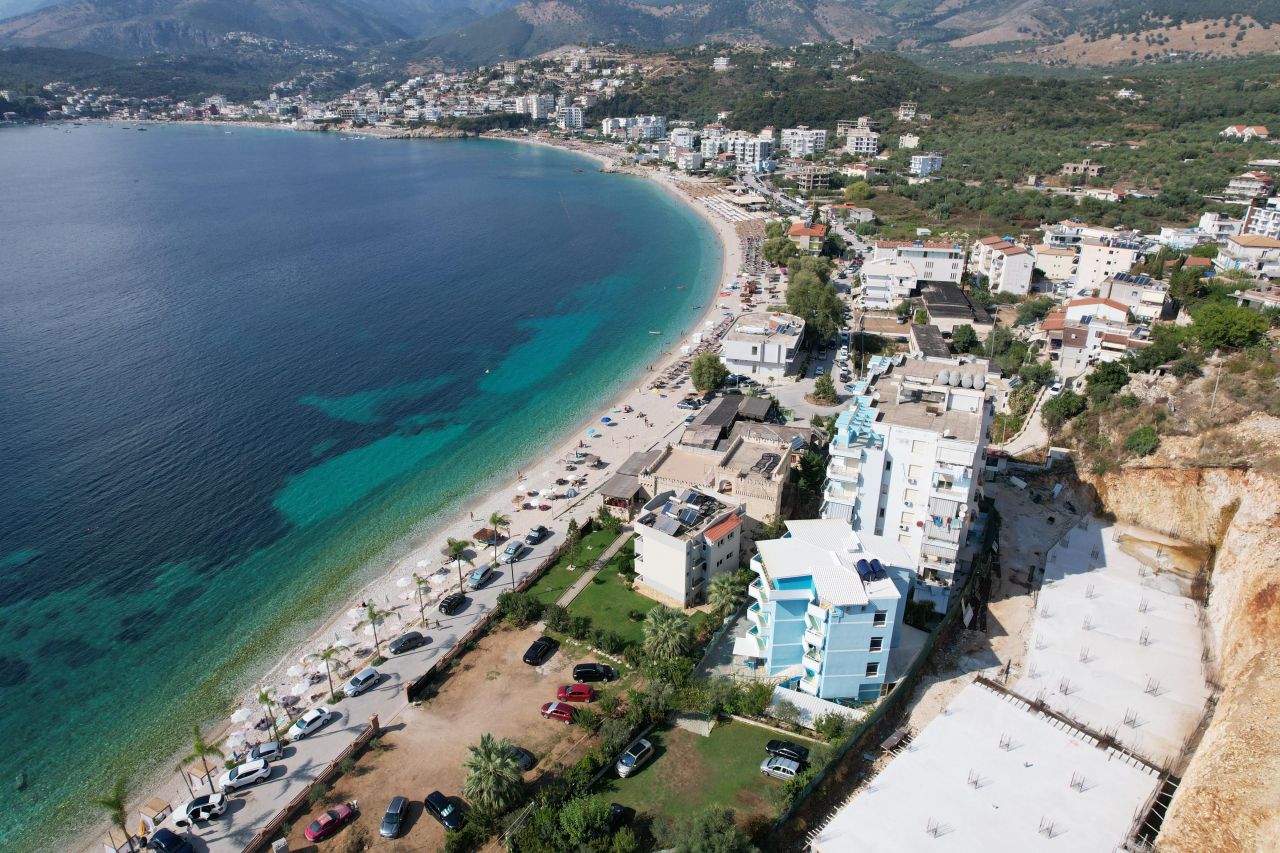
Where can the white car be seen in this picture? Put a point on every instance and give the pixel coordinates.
(243, 775)
(362, 681)
(202, 808)
(1055, 389)
(309, 723)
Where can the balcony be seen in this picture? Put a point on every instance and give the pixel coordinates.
(757, 616)
(836, 491)
(837, 470)
(956, 489)
(813, 660)
(817, 616)
(809, 684)
(814, 638)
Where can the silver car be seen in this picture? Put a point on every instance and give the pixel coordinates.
(362, 681)
(634, 758)
(243, 775)
(779, 767)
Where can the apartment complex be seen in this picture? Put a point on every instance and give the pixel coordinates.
(906, 463)
(1263, 219)
(747, 150)
(635, 127)
(1103, 257)
(1088, 331)
(825, 611)
(862, 142)
(923, 165)
(1249, 186)
(1085, 168)
(931, 261)
(685, 538)
(802, 141)
(1057, 264)
(1146, 298)
(1250, 252)
(1007, 266)
(808, 238)
(886, 282)
(763, 345)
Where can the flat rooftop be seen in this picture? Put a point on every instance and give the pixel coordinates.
(990, 774)
(775, 327)
(943, 299)
(1088, 657)
(928, 341)
(928, 412)
(682, 513)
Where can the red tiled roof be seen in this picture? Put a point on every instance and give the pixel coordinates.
(908, 244)
(724, 528)
(1196, 261)
(1054, 322)
(1094, 300)
(799, 229)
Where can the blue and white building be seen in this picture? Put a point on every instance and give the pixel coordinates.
(825, 611)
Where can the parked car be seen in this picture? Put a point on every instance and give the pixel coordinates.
(620, 816)
(200, 809)
(512, 552)
(536, 535)
(559, 711)
(1055, 389)
(442, 809)
(686, 404)
(309, 723)
(588, 672)
(408, 642)
(167, 841)
(634, 758)
(820, 371)
(362, 681)
(328, 824)
(394, 818)
(452, 603)
(525, 759)
(779, 767)
(576, 693)
(787, 749)
(478, 578)
(244, 775)
(689, 418)
(269, 751)
(539, 651)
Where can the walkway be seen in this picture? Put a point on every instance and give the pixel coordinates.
(603, 560)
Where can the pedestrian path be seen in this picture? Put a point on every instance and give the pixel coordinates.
(594, 569)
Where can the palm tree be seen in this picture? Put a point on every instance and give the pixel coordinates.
(667, 633)
(458, 553)
(332, 656)
(372, 616)
(725, 594)
(493, 776)
(498, 521)
(114, 803)
(202, 750)
(419, 582)
(182, 771)
(267, 700)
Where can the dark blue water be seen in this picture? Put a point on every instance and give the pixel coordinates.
(236, 371)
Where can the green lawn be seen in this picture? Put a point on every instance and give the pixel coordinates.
(558, 578)
(608, 601)
(692, 772)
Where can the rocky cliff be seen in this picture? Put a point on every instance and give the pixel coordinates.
(1228, 797)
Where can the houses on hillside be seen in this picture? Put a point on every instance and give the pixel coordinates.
(1006, 266)
(1244, 132)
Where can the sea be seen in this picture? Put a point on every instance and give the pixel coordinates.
(241, 370)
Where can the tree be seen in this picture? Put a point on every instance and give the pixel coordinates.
(266, 699)
(814, 302)
(779, 250)
(858, 191)
(773, 528)
(372, 617)
(965, 339)
(493, 776)
(1205, 250)
(708, 371)
(499, 522)
(785, 711)
(457, 549)
(922, 317)
(519, 608)
(1061, 409)
(571, 535)
(667, 633)
(824, 389)
(821, 267)
(1142, 441)
(608, 521)
(584, 819)
(1223, 325)
(202, 750)
(1033, 310)
(114, 804)
(332, 656)
(712, 830)
(1105, 380)
(725, 594)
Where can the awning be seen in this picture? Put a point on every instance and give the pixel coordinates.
(621, 486)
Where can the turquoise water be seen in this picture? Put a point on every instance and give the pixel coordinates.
(238, 372)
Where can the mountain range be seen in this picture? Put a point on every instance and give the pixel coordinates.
(478, 31)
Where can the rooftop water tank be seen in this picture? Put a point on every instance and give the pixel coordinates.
(955, 378)
(944, 376)
(979, 381)
(966, 381)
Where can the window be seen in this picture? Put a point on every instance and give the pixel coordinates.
(755, 350)
(881, 513)
(877, 643)
(888, 464)
(873, 669)
(879, 619)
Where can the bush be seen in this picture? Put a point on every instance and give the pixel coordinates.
(519, 608)
(1219, 324)
(1142, 441)
(346, 765)
(316, 793)
(579, 627)
(587, 718)
(635, 615)
(610, 642)
(1061, 409)
(1033, 310)
(615, 735)
(1106, 380)
(753, 700)
(831, 726)
(708, 371)
(556, 617)
(824, 389)
(786, 712)
(471, 837)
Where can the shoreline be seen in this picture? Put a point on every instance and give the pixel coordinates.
(473, 510)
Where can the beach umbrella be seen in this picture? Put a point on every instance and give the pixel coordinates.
(301, 688)
(605, 420)
(294, 671)
(235, 739)
(241, 715)
(404, 582)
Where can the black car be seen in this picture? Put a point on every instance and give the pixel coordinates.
(392, 820)
(407, 642)
(619, 816)
(536, 535)
(168, 841)
(524, 758)
(452, 603)
(539, 651)
(588, 672)
(442, 809)
(787, 749)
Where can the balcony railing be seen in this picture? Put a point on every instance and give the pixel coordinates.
(809, 684)
(813, 659)
(757, 590)
(848, 473)
(815, 638)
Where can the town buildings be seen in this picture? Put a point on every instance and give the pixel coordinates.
(1055, 263)
(1250, 252)
(1086, 169)
(1146, 298)
(1006, 266)
(808, 238)
(949, 307)
(635, 127)
(1087, 331)
(906, 463)
(763, 345)
(802, 141)
(825, 611)
(886, 282)
(748, 151)
(685, 539)
(907, 111)
(1244, 132)
(923, 165)
(862, 142)
(932, 261)
(1216, 226)
(1263, 219)
(1249, 186)
(1103, 257)
(909, 141)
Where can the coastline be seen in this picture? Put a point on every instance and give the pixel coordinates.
(662, 420)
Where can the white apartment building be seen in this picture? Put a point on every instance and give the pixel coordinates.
(1263, 219)
(689, 161)
(1057, 264)
(681, 137)
(720, 63)
(907, 111)
(908, 141)
(685, 539)
(1007, 266)
(1100, 258)
(862, 142)
(886, 282)
(1250, 252)
(906, 462)
(763, 345)
(1088, 331)
(1069, 234)
(570, 118)
(540, 106)
(932, 261)
(635, 127)
(749, 151)
(802, 141)
(1144, 297)
(844, 125)
(923, 165)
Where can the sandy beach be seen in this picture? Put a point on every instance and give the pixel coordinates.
(641, 418)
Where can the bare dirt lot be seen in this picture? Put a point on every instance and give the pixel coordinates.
(491, 691)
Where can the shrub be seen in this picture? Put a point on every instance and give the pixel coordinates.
(379, 660)
(579, 627)
(608, 703)
(556, 617)
(470, 837)
(346, 765)
(1061, 409)
(336, 697)
(614, 735)
(831, 726)
(785, 712)
(519, 608)
(1106, 380)
(753, 700)
(316, 793)
(1142, 441)
(635, 655)
(635, 615)
(610, 642)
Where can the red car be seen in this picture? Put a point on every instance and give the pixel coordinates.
(328, 824)
(576, 693)
(558, 711)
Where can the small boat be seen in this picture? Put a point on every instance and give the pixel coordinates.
(579, 171)
(652, 332)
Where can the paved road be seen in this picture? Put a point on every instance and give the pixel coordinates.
(250, 810)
